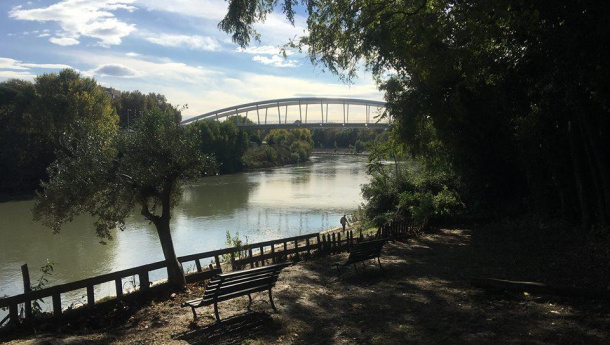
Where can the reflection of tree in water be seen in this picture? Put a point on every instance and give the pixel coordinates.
(76, 250)
(216, 195)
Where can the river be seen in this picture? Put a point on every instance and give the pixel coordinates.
(260, 205)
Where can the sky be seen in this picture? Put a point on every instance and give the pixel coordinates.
(172, 47)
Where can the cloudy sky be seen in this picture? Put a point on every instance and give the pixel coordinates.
(172, 47)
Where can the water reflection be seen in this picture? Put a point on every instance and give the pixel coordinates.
(260, 205)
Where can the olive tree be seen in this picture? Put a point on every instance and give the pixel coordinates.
(108, 174)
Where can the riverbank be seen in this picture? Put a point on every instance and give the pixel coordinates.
(422, 297)
(339, 151)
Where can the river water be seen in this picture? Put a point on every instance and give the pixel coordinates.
(261, 205)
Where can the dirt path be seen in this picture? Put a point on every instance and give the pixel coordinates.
(422, 297)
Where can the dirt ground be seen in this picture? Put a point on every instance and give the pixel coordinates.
(422, 296)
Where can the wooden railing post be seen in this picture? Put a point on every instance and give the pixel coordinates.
(13, 313)
(261, 255)
(273, 253)
(339, 247)
(56, 304)
(232, 261)
(198, 264)
(118, 284)
(308, 248)
(251, 260)
(145, 281)
(285, 256)
(90, 296)
(27, 287)
(319, 243)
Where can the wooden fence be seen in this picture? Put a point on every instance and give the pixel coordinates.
(252, 255)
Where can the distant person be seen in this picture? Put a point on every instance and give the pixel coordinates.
(343, 221)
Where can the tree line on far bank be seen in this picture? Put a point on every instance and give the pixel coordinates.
(36, 116)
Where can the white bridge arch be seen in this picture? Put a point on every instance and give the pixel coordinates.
(305, 112)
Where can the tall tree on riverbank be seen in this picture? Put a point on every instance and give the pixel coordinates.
(33, 116)
(516, 90)
(107, 174)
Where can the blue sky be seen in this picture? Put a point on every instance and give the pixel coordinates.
(172, 47)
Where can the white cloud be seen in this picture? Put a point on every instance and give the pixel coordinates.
(64, 41)
(132, 54)
(275, 60)
(6, 63)
(153, 71)
(45, 65)
(191, 42)
(16, 75)
(11, 68)
(89, 18)
(276, 30)
(44, 35)
(262, 50)
(206, 9)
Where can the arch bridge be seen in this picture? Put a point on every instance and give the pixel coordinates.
(304, 112)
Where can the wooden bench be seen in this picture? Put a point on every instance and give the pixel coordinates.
(363, 251)
(227, 286)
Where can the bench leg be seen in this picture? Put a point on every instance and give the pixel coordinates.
(194, 314)
(271, 300)
(216, 312)
(355, 267)
(379, 261)
(249, 304)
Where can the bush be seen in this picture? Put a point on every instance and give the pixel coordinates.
(409, 193)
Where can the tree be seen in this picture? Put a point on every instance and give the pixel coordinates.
(36, 115)
(16, 96)
(107, 174)
(516, 91)
(131, 105)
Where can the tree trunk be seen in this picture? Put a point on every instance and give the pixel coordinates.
(600, 161)
(175, 274)
(585, 212)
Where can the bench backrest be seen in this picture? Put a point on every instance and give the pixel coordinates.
(365, 250)
(229, 285)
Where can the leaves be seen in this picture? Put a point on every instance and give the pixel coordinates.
(106, 173)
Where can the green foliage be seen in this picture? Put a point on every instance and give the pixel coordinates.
(223, 141)
(411, 194)
(283, 147)
(514, 107)
(239, 254)
(359, 146)
(106, 174)
(344, 138)
(34, 117)
(131, 105)
(46, 271)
